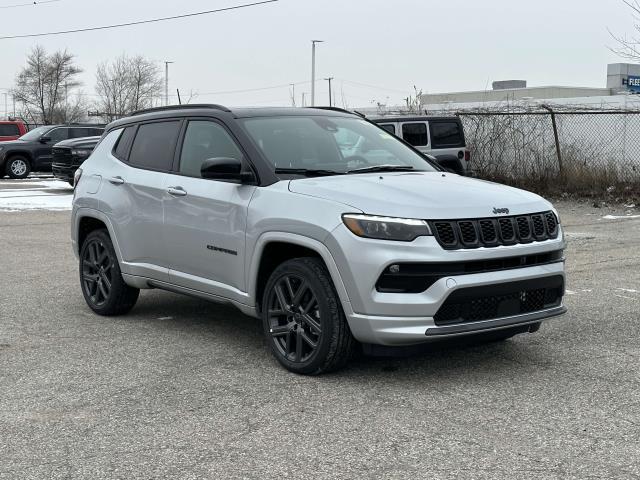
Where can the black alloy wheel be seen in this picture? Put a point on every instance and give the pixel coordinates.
(97, 272)
(103, 287)
(294, 318)
(303, 319)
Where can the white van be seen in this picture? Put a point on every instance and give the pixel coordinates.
(441, 137)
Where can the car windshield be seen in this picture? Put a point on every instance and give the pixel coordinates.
(327, 145)
(34, 134)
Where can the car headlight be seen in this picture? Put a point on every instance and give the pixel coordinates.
(386, 228)
(80, 152)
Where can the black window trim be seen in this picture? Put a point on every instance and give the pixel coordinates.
(427, 125)
(175, 170)
(175, 146)
(115, 145)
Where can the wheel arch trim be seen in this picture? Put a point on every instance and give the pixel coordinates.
(86, 212)
(300, 240)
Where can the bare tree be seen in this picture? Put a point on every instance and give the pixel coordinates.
(629, 46)
(43, 86)
(127, 84)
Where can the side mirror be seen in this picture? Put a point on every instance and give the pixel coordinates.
(223, 168)
(45, 139)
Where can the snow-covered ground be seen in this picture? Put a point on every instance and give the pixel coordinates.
(35, 194)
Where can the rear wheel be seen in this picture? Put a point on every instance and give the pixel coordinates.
(303, 319)
(103, 288)
(18, 167)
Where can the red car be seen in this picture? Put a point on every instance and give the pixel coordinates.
(11, 130)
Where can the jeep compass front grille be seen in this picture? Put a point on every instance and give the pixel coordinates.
(492, 232)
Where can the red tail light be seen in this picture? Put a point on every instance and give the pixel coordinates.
(467, 156)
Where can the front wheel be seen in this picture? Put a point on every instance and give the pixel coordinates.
(103, 288)
(18, 167)
(303, 320)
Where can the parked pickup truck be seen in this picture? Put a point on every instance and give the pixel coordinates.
(441, 137)
(11, 130)
(68, 155)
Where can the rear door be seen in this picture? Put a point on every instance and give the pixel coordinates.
(133, 191)
(447, 141)
(205, 220)
(416, 134)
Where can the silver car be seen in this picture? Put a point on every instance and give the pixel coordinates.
(271, 211)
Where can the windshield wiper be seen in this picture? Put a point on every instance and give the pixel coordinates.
(382, 168)
(309, 172)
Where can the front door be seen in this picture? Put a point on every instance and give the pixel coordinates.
(205, 220)
(43, 154)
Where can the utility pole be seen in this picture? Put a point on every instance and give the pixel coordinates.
(329, 80)
(303, 99)
(313, 71)
(6, 106)
(293, 94)
(166, 83)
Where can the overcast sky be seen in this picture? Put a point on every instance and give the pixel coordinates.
(439, 46)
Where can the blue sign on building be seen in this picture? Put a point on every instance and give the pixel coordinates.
(632, 83)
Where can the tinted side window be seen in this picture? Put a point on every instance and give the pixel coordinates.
(96, 132)
(121, 150)
(58, 134)
(78, 132)
(9, 131)
(154, 145)
(446, 134)
(389, 128)
(415, 134)
(202, 141)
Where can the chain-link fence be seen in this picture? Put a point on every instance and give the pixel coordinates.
(572, 150)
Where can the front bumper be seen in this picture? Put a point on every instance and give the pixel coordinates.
(408, 318)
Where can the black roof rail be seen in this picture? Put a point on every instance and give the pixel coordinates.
(338, 109)
(181, 107)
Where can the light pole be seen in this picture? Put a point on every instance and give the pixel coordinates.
(166, 83)
(313, 71)
(329, 80)
(6, 106)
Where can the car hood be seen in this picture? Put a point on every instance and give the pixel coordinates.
(82, 142)
(427, 195)
(12, 143)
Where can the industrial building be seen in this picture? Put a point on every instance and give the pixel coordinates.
(622, 79)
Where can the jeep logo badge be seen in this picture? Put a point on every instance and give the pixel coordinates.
(496, 211)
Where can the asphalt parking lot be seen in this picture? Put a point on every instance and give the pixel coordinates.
(181, 388)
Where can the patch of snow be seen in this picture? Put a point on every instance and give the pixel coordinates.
(618, 217)
(35, 202)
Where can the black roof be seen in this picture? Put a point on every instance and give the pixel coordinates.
(405, 118)
(219, 110)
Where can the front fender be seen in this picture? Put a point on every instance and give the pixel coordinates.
(310, 243)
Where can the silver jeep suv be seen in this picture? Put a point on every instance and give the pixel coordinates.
(317, 221)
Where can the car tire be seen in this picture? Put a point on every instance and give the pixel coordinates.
(101, 281)
(303, 320)
(18, 167)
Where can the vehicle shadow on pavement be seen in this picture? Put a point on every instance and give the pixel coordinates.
(226, 328)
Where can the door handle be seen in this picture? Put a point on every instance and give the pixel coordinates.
(116, 180)
(176, 191)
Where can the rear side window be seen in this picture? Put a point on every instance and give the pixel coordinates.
(415, 134)
(9, 130)
(389, 128)
(96, 132)
(446, 134)
(121, 151)
(154, 145)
